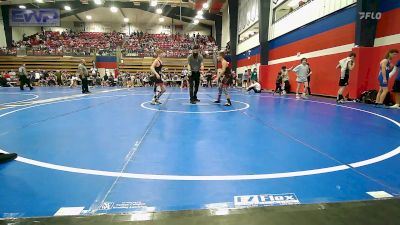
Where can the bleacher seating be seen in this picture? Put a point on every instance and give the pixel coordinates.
(70, 64)
(49, 63)
(133, 65)
(89, 43)
(52, 51)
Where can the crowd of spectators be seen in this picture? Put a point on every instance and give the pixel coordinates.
(175, 45)
(138, 44)
(121, 78)
(69, 43)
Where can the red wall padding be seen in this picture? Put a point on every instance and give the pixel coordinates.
(368, 66)
(249, 61)
(106, 65)
(325, 77)
(329, 39)
(389, 23)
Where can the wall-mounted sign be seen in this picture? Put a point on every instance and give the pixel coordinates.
(35, 17)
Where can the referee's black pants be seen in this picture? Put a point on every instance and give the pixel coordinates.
(194, 82)
(85, 85)
(24, 80)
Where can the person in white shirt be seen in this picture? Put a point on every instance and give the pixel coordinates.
(74, 81)
(302, 72)
(184, 80)
(346, 65)
(285, 79)
(255, 86)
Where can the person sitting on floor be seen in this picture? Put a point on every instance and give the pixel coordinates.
(4, 82)
(255, 86)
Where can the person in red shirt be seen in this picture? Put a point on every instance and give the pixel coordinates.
(116, 72)
(7, 76)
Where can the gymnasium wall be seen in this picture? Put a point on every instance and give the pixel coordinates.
(152, 28)
(294, 28)
(387, 37)
(63, 26)
(324, 42)
(109, 27)
(314, 10)
(17, 32)
(225, 26)
(2, 34)
(310, 12)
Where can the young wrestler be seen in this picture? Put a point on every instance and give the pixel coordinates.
(156, 69)
(396, 86)
(285, 79)
(225, 78)
(278, 83)
(346, 65)
(302, 72)
(383, 77)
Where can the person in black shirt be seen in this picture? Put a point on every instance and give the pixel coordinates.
(156, 69)
(278, 82)
(3, 82)
(105, 79)
(84, 74)
(195, 67)
(209, 78)
(309, 79)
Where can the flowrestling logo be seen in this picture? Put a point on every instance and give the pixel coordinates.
(35, 17)
(370, 15)
(266, 200)
(122, 205)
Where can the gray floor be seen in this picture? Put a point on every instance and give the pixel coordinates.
(379, 212)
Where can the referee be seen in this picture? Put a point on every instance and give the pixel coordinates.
(195, 65)
(23, 78)
(83, 72)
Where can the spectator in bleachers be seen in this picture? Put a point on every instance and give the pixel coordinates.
(3, 81)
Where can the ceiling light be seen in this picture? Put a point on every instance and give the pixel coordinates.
(89, 17)
(200, 13)
(126, 20)
(293, 3)
(114, 9)
(67, 7)
(153, 3)
(161, 19)
(206, 5)
(158, 11)
(196, 21)
(22, 7)
(98, 2)
(199, 17)
(39, 1)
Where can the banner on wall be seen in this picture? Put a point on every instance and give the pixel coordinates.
(107, 62)
(34, 17)
(247, 14)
